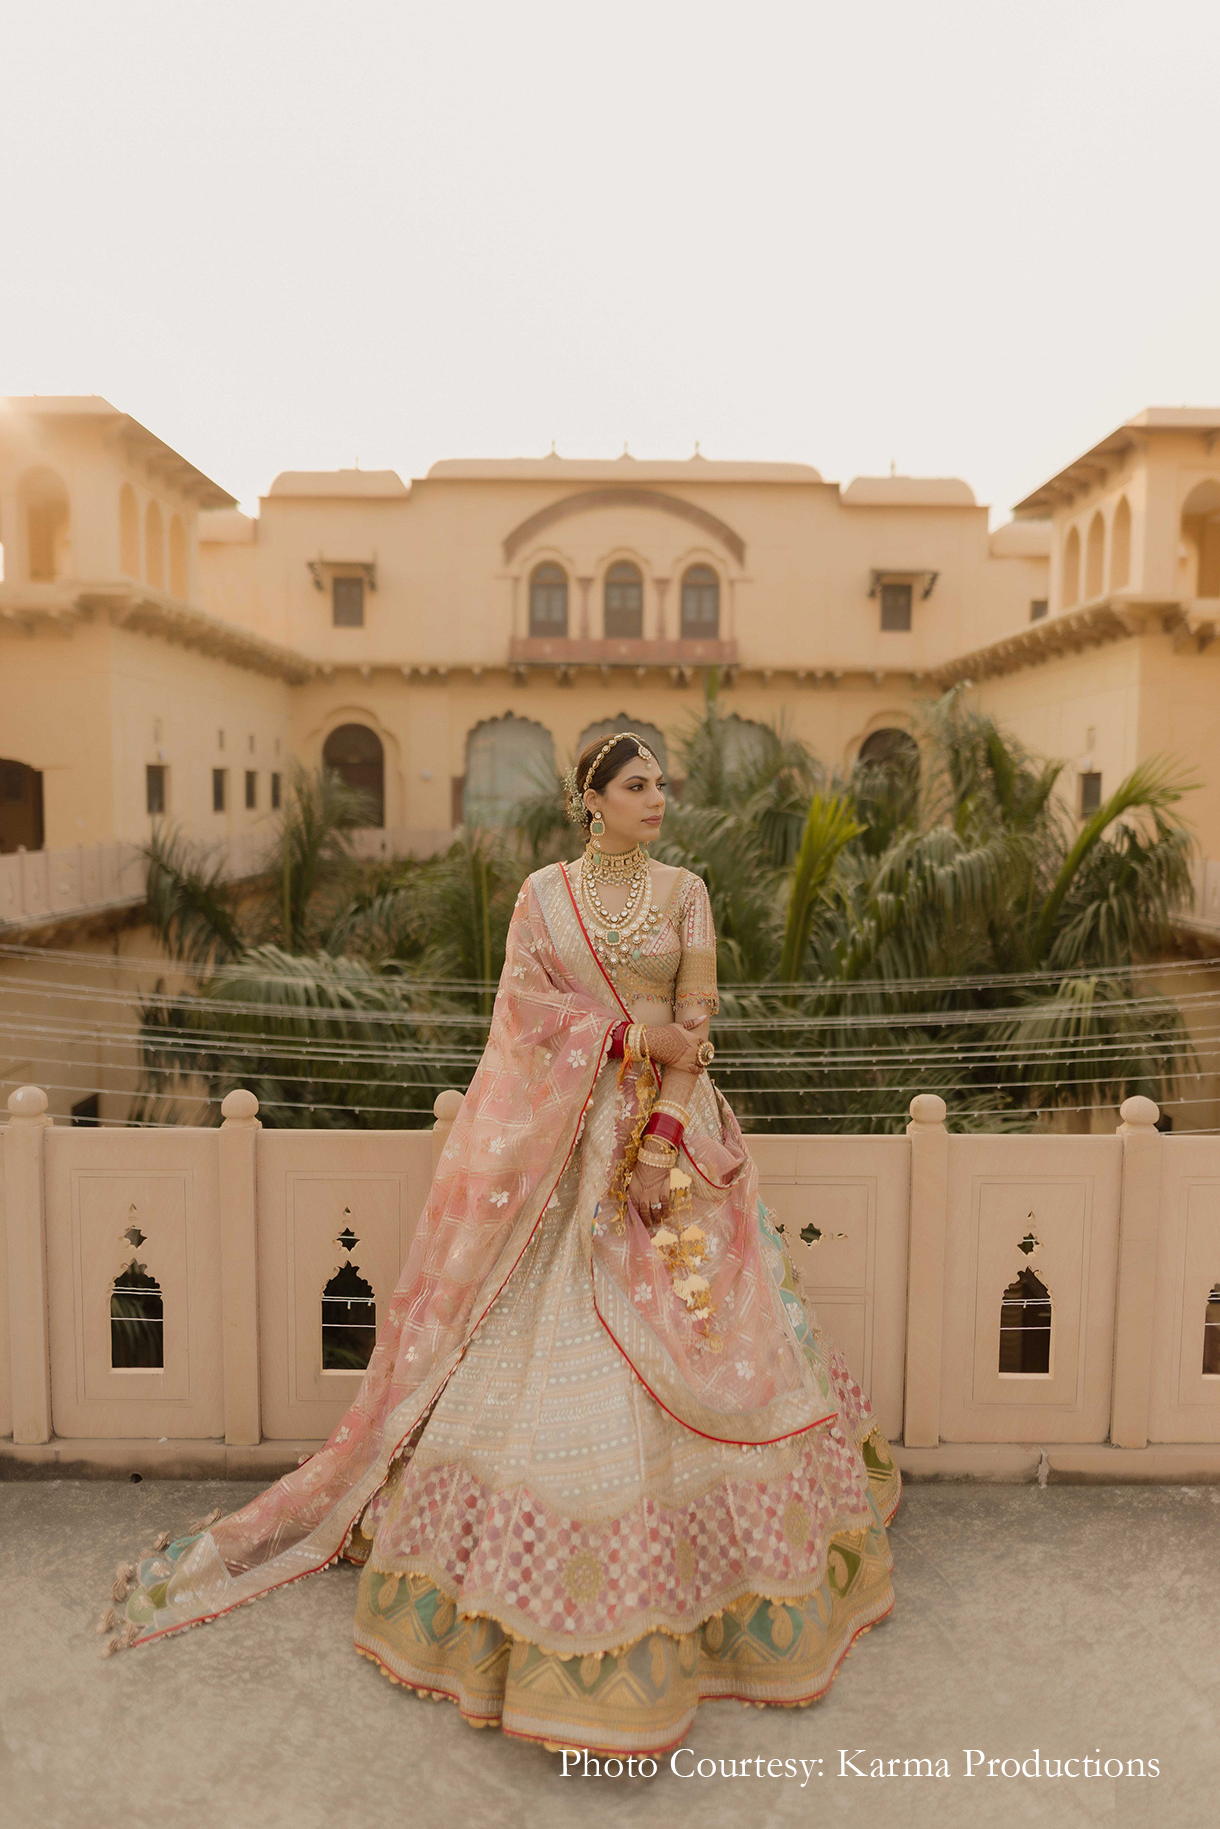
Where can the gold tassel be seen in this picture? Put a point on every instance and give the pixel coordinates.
(108, 1621)
(203, 1524)
(620, 1181)
(111, 1646)
(163, 1541)
(122, 1578)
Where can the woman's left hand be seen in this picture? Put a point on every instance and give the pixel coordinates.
(648, 1190)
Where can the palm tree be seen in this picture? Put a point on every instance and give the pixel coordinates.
(934, 922)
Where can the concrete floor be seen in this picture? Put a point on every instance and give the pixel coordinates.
(1068, 1619)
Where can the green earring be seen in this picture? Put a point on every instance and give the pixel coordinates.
(597, 825)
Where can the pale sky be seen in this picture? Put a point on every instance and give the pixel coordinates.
(968, 237)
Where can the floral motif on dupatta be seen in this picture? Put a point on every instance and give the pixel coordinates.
(743, 1377)
(514, 1135)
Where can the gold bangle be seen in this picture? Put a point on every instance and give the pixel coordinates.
(656, 1162)
(674, 1109)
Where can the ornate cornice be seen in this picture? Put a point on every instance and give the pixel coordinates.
(150, 612)
(1092, 625)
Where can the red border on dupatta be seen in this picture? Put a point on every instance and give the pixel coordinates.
(726, 1441)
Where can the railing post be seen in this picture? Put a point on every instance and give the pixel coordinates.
(239, 1267)
(445, 1108)
(29, 1316)
(1137, 1250)
(926, 1269)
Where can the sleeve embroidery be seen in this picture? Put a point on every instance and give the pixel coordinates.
(696, 982)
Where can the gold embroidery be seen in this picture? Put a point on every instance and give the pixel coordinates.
(584, 1577)
(659, 1663)
(590, 1668)
(796, 1524)
(442, 1619)
(781, 1626)
(684, 1560)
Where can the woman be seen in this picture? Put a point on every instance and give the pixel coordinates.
(603, 1464)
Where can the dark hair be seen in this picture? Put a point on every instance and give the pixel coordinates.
(612, 763)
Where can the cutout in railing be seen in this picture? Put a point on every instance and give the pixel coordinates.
(137, 1321)
(1025, 1326)
(1211, 1334)
(349, 1321)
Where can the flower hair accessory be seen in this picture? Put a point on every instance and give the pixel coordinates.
(573, 805)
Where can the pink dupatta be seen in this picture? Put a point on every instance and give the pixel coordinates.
(542, 1072)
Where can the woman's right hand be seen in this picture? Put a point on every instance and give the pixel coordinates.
(670, 1045)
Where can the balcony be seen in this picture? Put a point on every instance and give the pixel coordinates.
(583, 651)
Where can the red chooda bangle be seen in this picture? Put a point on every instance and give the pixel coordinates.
(661, 1124)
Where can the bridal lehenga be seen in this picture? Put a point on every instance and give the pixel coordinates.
(583, 1502)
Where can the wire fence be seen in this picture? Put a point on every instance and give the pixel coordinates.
(787, 1054)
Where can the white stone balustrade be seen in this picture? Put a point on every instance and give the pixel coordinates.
(907, 1246)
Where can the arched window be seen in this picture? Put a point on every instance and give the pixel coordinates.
(355, 753)
(624, 601)
(177, 558)
(349, 1321)
(154, 547)
(1120, 547)
(20, 807)
(1211, 1334)
(1025, 1325)
(889, 748)
(129, 531)
(508, 760)
(700, 604)
(1201, 537)
(1095, 557)
(606, 727)
(1071, 570)
(548, 600)
(47, 526)
(137, 1320)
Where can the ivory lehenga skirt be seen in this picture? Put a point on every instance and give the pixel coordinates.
(563, 1559)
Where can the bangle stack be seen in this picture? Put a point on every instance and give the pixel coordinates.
(654, 1158)
(667, 1122)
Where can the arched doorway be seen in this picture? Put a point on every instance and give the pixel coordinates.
(623, 608)
(356, 755)
(1201, 538)
(48, 526)
(700, 604)
(20, 807)
(889, 748)
(508, 760)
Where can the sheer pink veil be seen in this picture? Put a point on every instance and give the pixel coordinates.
(739, 1377)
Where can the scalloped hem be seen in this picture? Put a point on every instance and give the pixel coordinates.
(632, 1709)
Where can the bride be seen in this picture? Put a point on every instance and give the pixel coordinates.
(604, 1464)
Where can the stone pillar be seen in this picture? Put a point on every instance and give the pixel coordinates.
(445, 1108)
(926, 1269)
(662, 589)
(1139, 1222)
(239, 1267)
(586, 585)
(26, 1219)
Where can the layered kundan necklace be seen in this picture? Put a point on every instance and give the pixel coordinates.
(617, 939)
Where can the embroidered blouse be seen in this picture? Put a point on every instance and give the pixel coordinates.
(676, 964)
